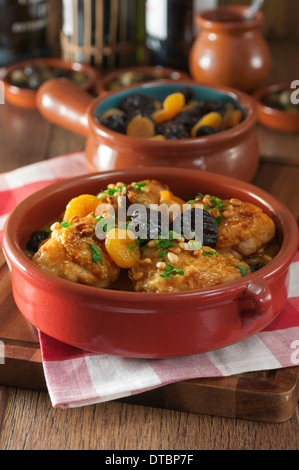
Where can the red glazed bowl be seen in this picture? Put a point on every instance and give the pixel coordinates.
(233, 152)
(147, 325)
(274, 118)
(26, 98)
(164, 73)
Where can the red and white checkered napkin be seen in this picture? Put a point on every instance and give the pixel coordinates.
(76, 378)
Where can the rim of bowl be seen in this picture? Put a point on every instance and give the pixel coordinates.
(92, 74)
(111, 76)
(280, 263)
(263, 108)
(244, 100)
(205, 19)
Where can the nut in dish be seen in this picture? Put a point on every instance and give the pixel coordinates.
(143, 237)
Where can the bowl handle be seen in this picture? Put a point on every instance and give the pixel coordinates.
(259, 293)
(64, 103)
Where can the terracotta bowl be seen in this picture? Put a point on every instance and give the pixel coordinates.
(233, 152)
(147, 325)
(164, 73)
(26, 98)
(274, 118)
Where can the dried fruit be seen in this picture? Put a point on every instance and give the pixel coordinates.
(235, 118)
(138, 103)
(116, 122)
(141, 126)
(197, 224)
(212, 120)
(122, 247)
(204, 131)
(36, 239)
(171, 106)
(81, 206)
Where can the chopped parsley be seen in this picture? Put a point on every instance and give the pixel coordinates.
(211, 253)
(111, 191)
(139, 186)
(194, 245)
(193, 201)
(243, 269)
(217, 203)
(131, 247)
(164, 244)
(162, 253)
(96, 254)
(65, 224)
(171, 271)
(218, 220)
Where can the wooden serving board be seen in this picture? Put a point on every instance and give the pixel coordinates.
(267, 396)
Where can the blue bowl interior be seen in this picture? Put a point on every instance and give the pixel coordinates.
(160, 92)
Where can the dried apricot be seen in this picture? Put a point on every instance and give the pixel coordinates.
(122, 247)
(235, 118)
(141, 126)
(211, 119)
(228, 109)
(171, 107)
(81, 206)
(110, 112)
(169, 196)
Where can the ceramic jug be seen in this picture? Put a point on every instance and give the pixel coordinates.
(230, 49)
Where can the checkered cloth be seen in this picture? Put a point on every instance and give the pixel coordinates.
(77, 378)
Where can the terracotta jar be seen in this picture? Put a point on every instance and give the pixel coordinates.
(230, 49)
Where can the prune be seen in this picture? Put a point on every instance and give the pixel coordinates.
(197, 224)
(36, 239)
(174, 130)
(211, 106)
(206, 130)
(116, 122)
(188, 93)
(137, 103)
(146, 224)
(190, 117)
(256, 267)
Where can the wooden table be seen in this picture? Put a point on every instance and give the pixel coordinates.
(27, 419)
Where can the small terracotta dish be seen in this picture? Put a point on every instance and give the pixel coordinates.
(25, 97)
(233, 152)
(147, 325)
(133, 75)
(275, 118)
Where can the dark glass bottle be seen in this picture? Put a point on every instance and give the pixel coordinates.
(23, 30)
(169, 32)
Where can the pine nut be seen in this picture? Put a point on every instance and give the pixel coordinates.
(175, 249)
(172, 258)
(235, 202)
(161, 265)
(111, 186)
(137, 276)
(151, 244)
(55, 226)
(227, 214)
(146, 262)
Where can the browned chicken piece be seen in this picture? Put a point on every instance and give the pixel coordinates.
(184, 269)
(74, 253)
(243, 226)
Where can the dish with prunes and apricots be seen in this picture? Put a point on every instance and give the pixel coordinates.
(178, 116)
(142, 237)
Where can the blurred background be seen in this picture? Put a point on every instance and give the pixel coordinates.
(114, 33)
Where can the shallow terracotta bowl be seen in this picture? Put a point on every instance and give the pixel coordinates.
(147, 325)
(233, 152)
(26, 98)
(164, 73)
(274, 118)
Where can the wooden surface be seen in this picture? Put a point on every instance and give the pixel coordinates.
(27, 419)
